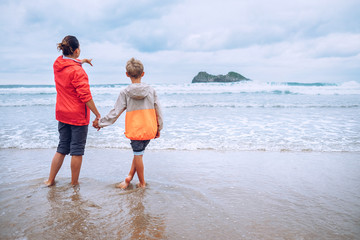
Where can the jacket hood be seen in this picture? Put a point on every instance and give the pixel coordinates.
(138, 90)
(62, 63)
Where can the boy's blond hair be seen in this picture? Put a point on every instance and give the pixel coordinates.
(134, 68)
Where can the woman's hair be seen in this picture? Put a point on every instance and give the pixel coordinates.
(134, 68)
(68, 45)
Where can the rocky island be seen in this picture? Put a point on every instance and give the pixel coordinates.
(204, 77)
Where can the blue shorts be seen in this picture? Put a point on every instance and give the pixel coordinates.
(139, 146)
(72, 139)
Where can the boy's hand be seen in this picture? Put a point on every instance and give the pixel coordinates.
(157, 134)
(85, 60)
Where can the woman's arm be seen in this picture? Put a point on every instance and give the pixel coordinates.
(91, 105)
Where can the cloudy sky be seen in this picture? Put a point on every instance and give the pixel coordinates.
(278, 40)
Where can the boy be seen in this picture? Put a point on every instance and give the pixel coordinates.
(143, 120)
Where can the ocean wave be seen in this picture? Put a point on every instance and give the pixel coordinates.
(27, 102)
(16, 86)
(230, 105)
(109, 103)
(277, 88)
(28, 91)
(254, 87)
(307, 84)
(50, 144)
(228, 95)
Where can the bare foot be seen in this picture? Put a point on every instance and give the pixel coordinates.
(128, 179)
(124, 184)
(139, 185)
(75, 184)
(48, 183)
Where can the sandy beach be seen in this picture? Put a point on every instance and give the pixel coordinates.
(190, 195)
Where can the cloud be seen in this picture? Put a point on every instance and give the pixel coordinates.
(281, 40)
(284, 61)
(216, 25)
(335, 45)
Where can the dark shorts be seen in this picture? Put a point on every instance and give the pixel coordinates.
(139, 146)
(72, 139)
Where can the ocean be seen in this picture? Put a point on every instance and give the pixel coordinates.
(246, 116)
(234, 161)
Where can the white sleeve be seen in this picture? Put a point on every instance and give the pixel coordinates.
(114, 113)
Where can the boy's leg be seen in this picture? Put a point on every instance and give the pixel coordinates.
(136, 167)
(131, 173)
(128, 179)
(75, 169)
(139, 166)
(56, 164)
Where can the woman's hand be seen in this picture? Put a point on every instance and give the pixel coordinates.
(96, 124)
(85, 60)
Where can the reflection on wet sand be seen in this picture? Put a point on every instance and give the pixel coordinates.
(69, 216)
(121, 215)
(140, 223)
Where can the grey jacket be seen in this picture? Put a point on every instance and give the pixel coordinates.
(143, 114)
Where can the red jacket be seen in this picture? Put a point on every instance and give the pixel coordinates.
(73, 91)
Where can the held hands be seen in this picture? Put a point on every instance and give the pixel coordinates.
(96, 124)
(85, 60)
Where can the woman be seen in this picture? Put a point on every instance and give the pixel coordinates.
(73, 105)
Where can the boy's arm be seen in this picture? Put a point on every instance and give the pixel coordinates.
(110, 118)
(114, 113)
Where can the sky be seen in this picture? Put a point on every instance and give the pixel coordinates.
(266, 41)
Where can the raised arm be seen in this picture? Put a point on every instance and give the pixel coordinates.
(82, 88)
(85, 60)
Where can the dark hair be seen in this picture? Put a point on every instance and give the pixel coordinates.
(68, 45)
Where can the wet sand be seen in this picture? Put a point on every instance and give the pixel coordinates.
(190, 195)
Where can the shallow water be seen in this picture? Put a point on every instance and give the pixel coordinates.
(190, 195)
(219, 116)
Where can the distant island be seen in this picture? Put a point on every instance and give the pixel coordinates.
(204, 77)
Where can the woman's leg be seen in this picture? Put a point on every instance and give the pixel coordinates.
(56, 164)
(75, 169)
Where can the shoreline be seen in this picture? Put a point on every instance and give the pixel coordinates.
(187, 150)
(198, 194)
